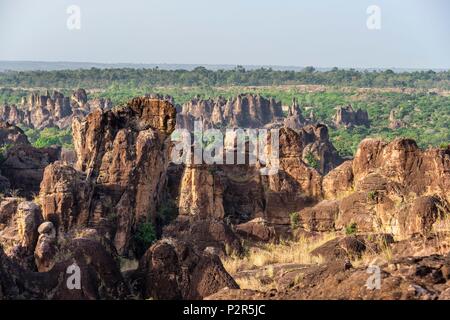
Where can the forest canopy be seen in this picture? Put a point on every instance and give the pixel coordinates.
(239, 76)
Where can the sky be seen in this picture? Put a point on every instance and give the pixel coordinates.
(320, 33)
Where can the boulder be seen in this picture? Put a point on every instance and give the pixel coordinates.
(257, 230)
(99, 272)
(205, 233)
(171, 269)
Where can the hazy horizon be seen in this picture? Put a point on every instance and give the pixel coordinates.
(285, 33)
(17, 65)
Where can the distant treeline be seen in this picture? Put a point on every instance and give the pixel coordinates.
(200, 76)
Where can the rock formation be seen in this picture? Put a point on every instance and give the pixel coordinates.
(170, 270)
(99, 272)
(91, 213)
(347, 117)
(294, 118)
(51, 110)
(11, 135)
(122, 157)
(243, 111)
(241, 193)
(405, 278)
(389, 187)
(22, 165)
(394, 123)
(93, 206)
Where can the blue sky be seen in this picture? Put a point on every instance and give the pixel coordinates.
(322, 33)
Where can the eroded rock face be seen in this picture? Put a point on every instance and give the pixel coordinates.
(321, 217)
(51, 110)
(205, 233)
(65, 197)
(24, 167)
(294, 119)
(170, 269)
(394, 123)
(352, 247)
(241, 192)
(201, 193)
(122, 158)
(11, 135)
(19, 222)
(348, 117)
(46, 247)
(390, 187)
(315, 143)
(338, 182)
(99, 273)
(243, 111)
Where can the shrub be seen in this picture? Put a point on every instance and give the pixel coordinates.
(372, 195)
(312, 161)
(295, 220)
(3, 151)
(351, 229)
(167, 212)
(145, 235)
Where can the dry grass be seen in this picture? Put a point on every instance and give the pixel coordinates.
(277, 253)
(252, 283)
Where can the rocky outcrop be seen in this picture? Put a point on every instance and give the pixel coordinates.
(394, 123)
(24, 166)
(406, 278)
(21, 165)
(338, 182)
(205, 234)
(317, 148)
(243, 111)
(11, 135)
(51, 110)
(46, 247)
(257, 230)
(201, 193)
(100, 277)
(65, 197)
(294, 119)
(347, 117)
(241, 193)
(351, 248)
(117, 183)
(389, 187)
(19, 222)
(170, 270)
